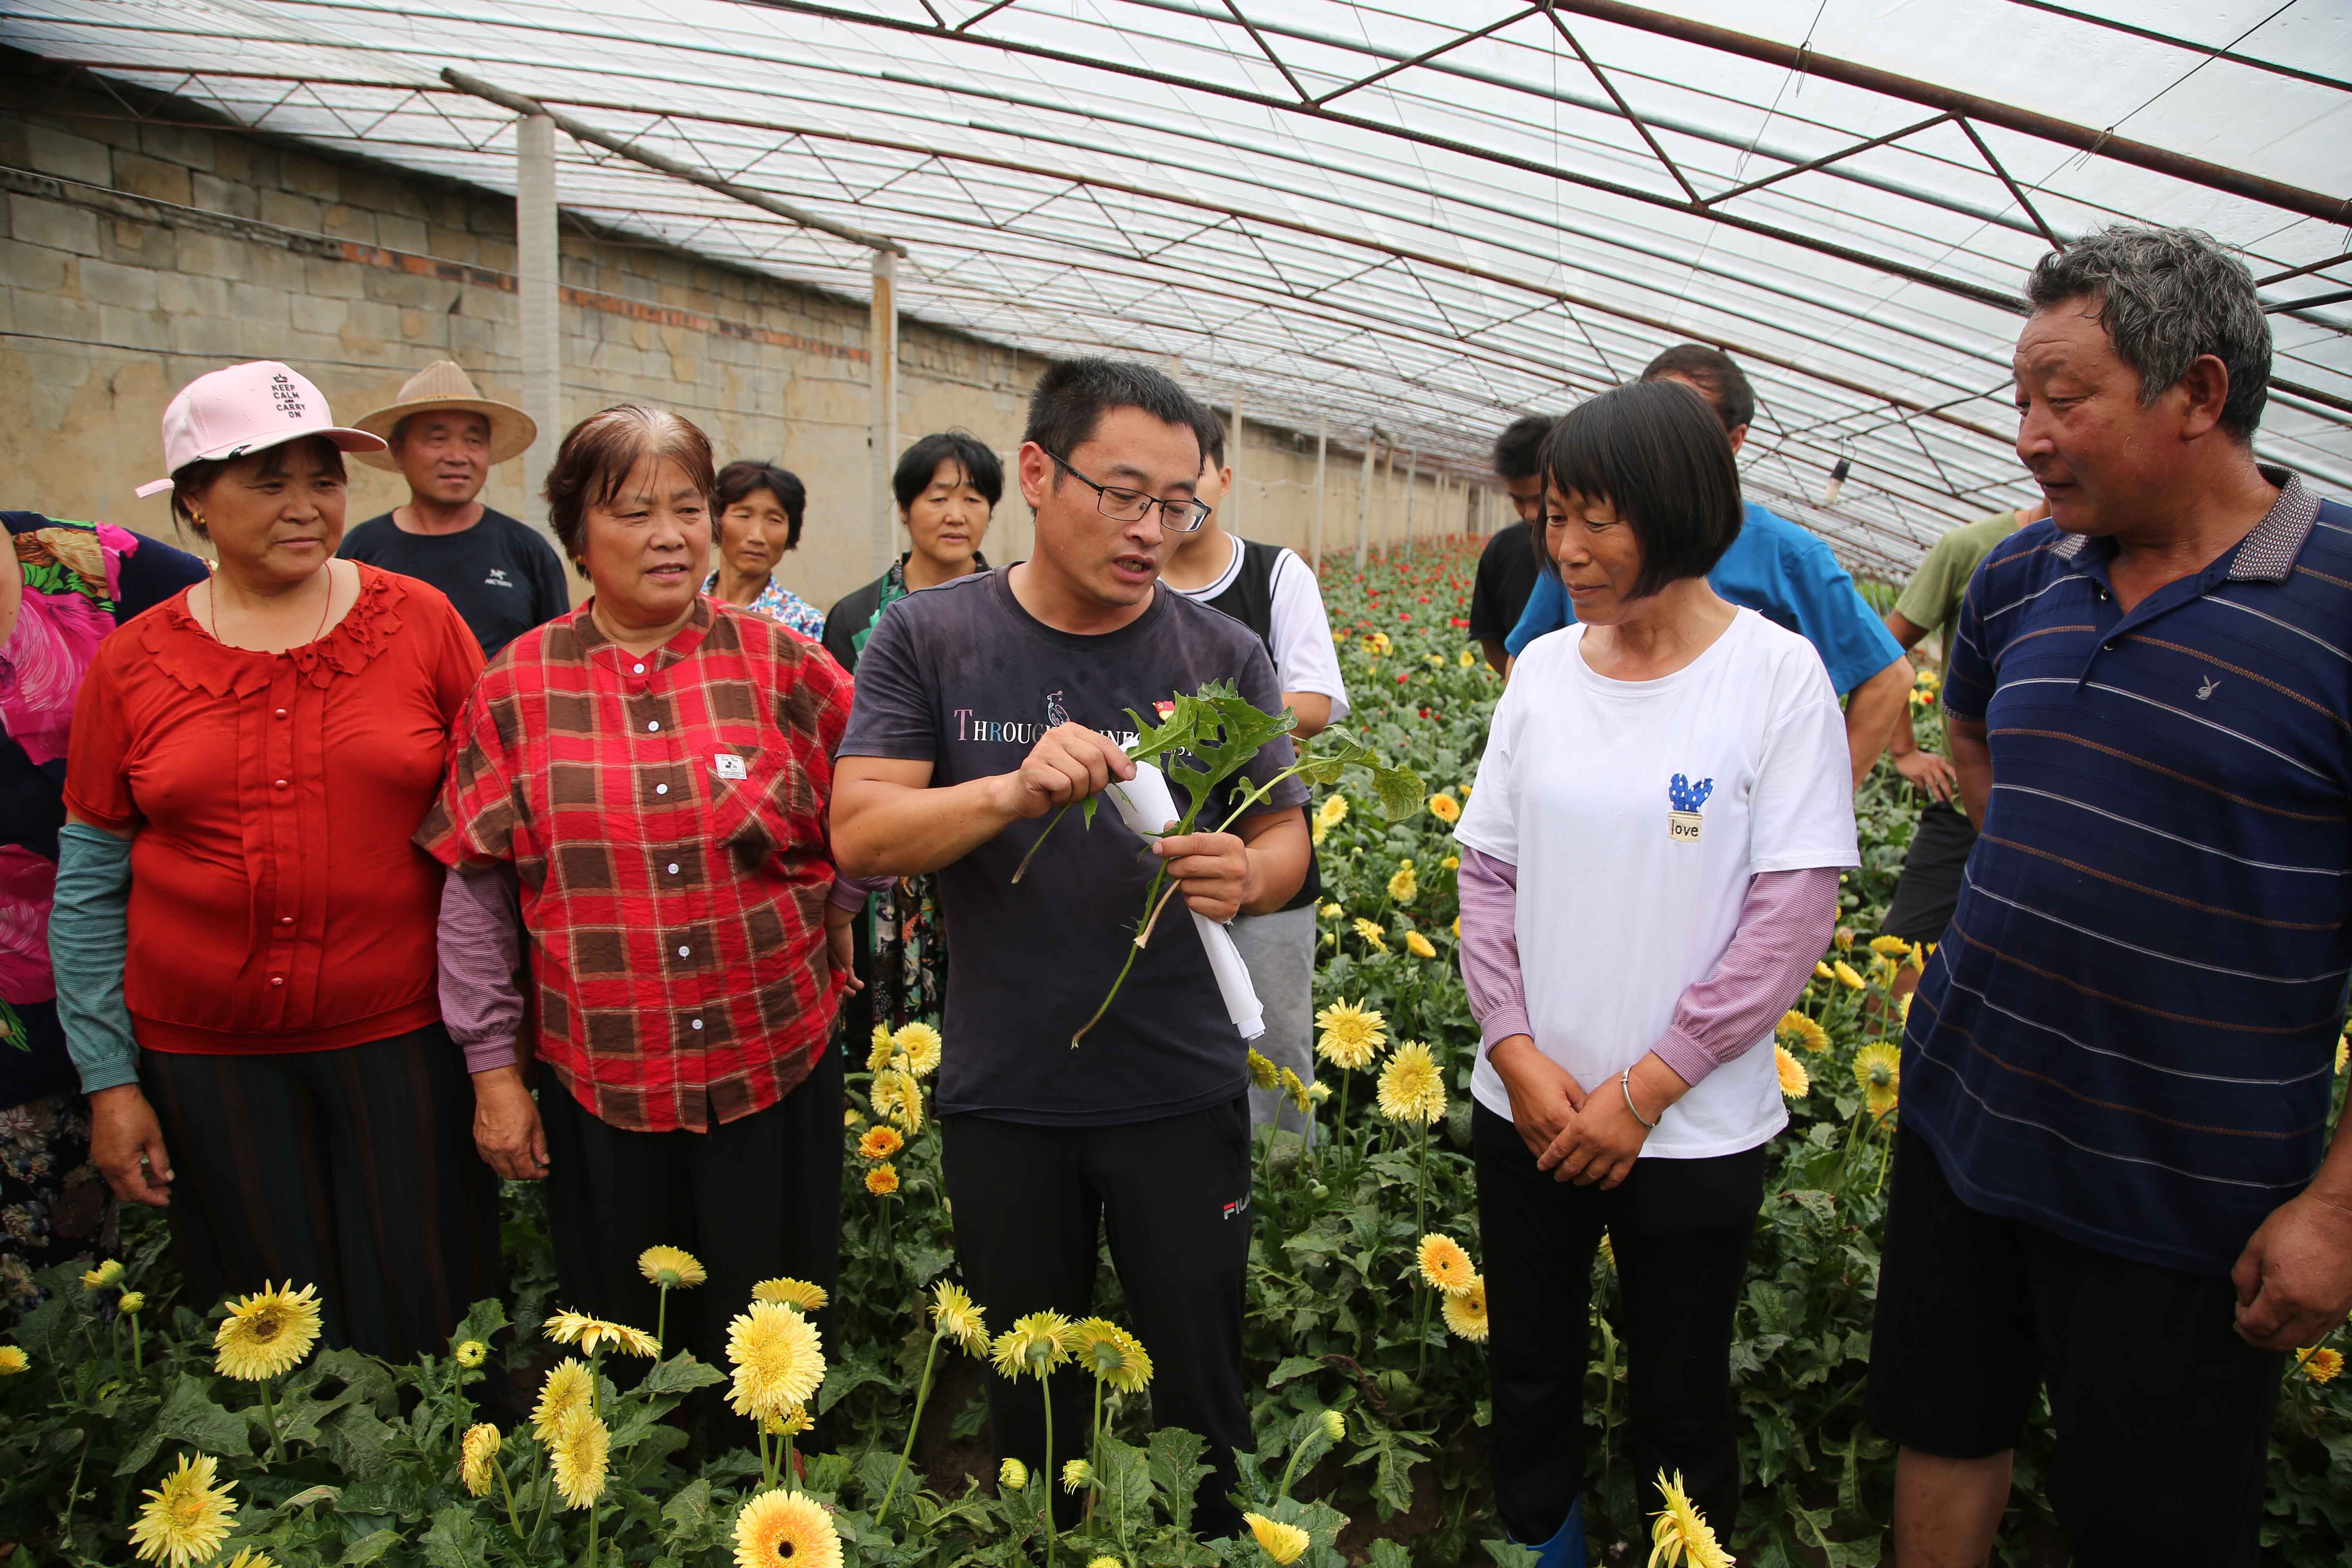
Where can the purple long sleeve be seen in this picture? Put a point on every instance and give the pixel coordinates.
(1490, 947)
(480, 947)
(1785, 922)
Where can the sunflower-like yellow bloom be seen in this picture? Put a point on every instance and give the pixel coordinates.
(183, 1521)
(1105, 1563)
(850, 1118)
(470, 1353)
(1419, 945)
(1457, 927)
(567, 1389)
(588, 1333)
(785, 1530)
(1822, 971)
(1077, 1475)
(1844, 936)
(1351, 1035)
(268, 1334)
(1467, 659)
(1332, 912)
(1800, 1030)
(921, 1046)
(1012, 1476)
(882, 1180)
(956, 1316)
(1033, 1345)
(1261, 1070)
(1795, 1082)
(1412, 1089)
(1333, 811)
(1445, 808)
(791, 1423)
(12, 1360)
(133, 1302)
(1284, 1543)
(1372, 935)
(880, 1143)
(1445, 1266)
(579, 1459)
(1296, 1088)
(1452, 862)
(247, 1557)
(896, 1095)
(672, 1268)
(1846, 976)
(1318, 1091)
(2343, 1054)
(1682, 1536)
(478, 1453)
(1466, 1315)
(1402, 885)
(107, 1273)
(792, 1292)
(1335, 1425)
(1882, 971)
(880, 1050)
(1878, 1068)
(779, 1359)
(2322, 1364)
(1112, 1354)
(1889, 946)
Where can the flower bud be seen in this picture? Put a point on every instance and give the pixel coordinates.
(1012, 1476)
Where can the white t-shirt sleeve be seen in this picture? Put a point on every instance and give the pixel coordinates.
(1801, 815)
(1490, 822)
(1304, 659)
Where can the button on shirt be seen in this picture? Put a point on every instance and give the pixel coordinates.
(666, 818)
(2127, 1035)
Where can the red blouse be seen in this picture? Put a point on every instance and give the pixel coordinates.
(277, 903)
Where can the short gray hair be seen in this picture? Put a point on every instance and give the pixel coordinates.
(2166, 297)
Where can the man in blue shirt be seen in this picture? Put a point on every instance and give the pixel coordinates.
(1779, 571)
(2113, 1179)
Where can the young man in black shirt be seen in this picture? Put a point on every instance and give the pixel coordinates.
(1507, 566)
(983, 704)
(444, 437)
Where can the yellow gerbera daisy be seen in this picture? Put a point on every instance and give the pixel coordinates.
(672, 1268)
(1332, 912)
(1372, 935)
(470, 1353)
(953, 1311)
(477, 1454)
(1033, 1345)
(1889, 946)
(1412, 1089)
(779, 1359)
(1261, 1070)
(247, 1557)
(1466, 1314)
(578, 1328)
(1843, 935)
(1419, 945)
(268, 1334)
(567, 1389)
(2322, 1364)
(1296, 1088)
(1457, 927)
(1878, 1068)
(1105, 1563)
(921, 1046)
(107, 1273)
(1112, 1354)
(12, 1360)
(1467, 659)
(1335, 1425)
(1445, 1266)
(790, 1292)
(1402, 885)
(1452, 862)
(850, 1118)
(882, 1180)
(880, 1143)
(1284, 1543)
(184, 1519)
(2343, 1052)
(785, 1530)
(1822, 971)
(1800, 1030)
(791, 1423)
(133, 1302)
(1318, 1091)
(1351, 1035)
(579, 1459)
(1846, 976)
(880, 1050)
(1445, 808)
(895, 1094)
(1795, 1082)
(1682, 1536)
(1077, 1475)
(1012, 1476)
(1333, 811)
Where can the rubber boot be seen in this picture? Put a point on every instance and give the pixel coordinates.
(1565, 1550)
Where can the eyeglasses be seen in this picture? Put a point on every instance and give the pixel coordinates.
(1133, 506)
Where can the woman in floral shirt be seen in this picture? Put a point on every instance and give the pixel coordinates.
(67, 586)
(755, 521)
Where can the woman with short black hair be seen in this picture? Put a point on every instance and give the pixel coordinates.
(755, 521)
(1650, 868)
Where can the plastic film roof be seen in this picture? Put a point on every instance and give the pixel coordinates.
(1413, 221)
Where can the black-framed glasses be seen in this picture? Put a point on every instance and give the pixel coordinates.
(1122, 505)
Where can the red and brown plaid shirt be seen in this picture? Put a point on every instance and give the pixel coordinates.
(666, 816)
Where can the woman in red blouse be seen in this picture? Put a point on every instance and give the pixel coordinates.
(649, 778)
(262, 1046)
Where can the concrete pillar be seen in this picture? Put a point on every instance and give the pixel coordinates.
(1411, 483)
(1388, 498)
(882, 437)
(539, 295)
(1364, 506)
(1322, 441)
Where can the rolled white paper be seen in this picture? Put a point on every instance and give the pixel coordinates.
(1146, 807)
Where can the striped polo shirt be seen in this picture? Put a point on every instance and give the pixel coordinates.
(2128, 1033)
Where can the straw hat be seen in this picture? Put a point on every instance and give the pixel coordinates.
(444, 385)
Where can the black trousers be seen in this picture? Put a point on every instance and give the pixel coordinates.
(751, 1198)
(1680, 1230)
(1173, 1197)
(353, 1170)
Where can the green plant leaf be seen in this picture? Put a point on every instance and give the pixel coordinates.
(190, 1416)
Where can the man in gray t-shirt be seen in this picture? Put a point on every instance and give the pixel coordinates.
(983, 705)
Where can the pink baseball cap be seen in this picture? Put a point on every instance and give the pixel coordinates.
(248, 409)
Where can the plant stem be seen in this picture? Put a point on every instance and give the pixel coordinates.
(270, 1417)
(506, 1486)
(661, 1320)
(592, 1535)
(792, 1475)
(922, 1392)
(1093, 1448)
(1421, 1228)
(1290, 1471)
(138, 1355)
(1041, 839)
(1045, 1392)
(1145, 935)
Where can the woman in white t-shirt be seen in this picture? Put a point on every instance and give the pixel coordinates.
(1649, 872)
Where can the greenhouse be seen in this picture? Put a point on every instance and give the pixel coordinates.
(1365, 238)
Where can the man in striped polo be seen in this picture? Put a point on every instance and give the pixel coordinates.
(2113, 1177)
